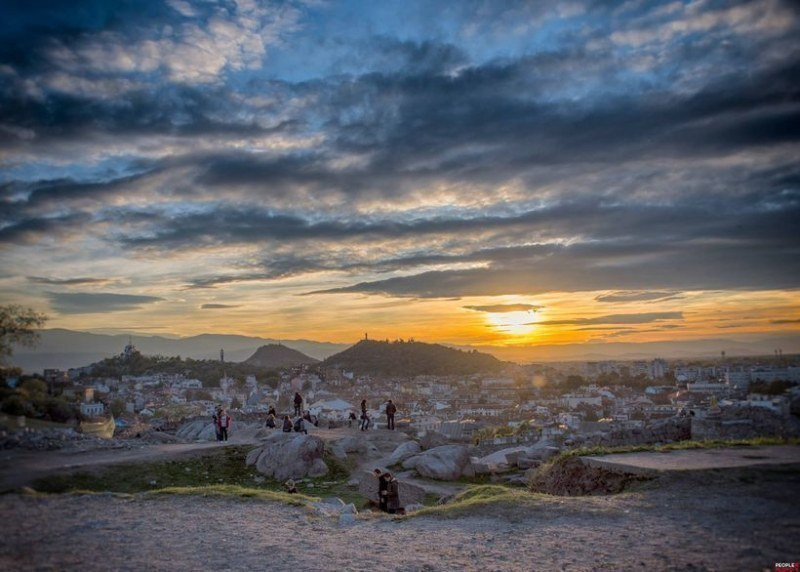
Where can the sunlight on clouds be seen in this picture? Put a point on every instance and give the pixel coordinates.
(513, 323)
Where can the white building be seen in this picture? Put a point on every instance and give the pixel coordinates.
(92, 409)
(426, 423)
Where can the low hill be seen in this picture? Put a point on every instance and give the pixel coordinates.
(276, 356)
(407, 359)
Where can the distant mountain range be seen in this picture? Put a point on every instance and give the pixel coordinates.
(401, 358)
(64, 349)
(276, 356)
(789, 344)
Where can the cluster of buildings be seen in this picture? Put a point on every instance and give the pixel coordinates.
(555, 401)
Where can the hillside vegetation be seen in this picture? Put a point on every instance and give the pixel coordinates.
(410, 358)
(276, 356)
(207, 371)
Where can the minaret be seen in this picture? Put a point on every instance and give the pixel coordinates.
(222, 356)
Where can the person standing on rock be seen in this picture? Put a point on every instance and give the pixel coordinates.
(391, 409)
(364, 421)
(298, 403)
(223, 423)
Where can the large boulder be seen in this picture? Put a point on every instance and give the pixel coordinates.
(409, 494)
(402, 452)
(198, 430)
(445, 463)
(358, 445)
(289, 456)
(432, 439)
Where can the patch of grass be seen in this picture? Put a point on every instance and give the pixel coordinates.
(676, 446)
(224, 466)
(506, 502)
(220, 472)
(237, 491)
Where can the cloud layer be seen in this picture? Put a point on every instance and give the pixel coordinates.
(421, 150)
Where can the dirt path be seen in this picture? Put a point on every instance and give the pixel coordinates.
(733, 520)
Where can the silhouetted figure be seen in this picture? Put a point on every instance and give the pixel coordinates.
(364, 421)
(383, 485)
(298, 403)
(393, 495)
(391, 409)
(287, 424)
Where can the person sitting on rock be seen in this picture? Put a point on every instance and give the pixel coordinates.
(287, 424)
(393, 495)
(270, 421)
(272, 411)
(382, 490)
(300, 426)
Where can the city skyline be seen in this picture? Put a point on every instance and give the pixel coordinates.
(474, 173)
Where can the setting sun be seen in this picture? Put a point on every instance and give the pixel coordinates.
(513, 323)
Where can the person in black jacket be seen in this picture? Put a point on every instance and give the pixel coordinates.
(298, 403)
(391, 409)
(393, 495)
(383, 484)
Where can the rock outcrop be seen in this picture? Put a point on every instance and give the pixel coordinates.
(432, 439)
(403, 452)
(445, 463)
(289, 455)
(198, 430)
(409, 494)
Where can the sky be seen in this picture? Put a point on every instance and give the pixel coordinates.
(472, 172)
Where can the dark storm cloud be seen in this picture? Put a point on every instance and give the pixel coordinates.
(695, 264)
(34, 230)
(677, 176)
(90, 303)
(502, 308)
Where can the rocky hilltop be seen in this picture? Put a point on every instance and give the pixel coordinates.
(410, 358)
(276, 356)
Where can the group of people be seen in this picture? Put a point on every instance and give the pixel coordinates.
(222, 422)
(390, 411)
(388, 492)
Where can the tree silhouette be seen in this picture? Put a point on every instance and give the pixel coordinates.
(18, 326)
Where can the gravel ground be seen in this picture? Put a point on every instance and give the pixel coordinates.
(731, 520)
